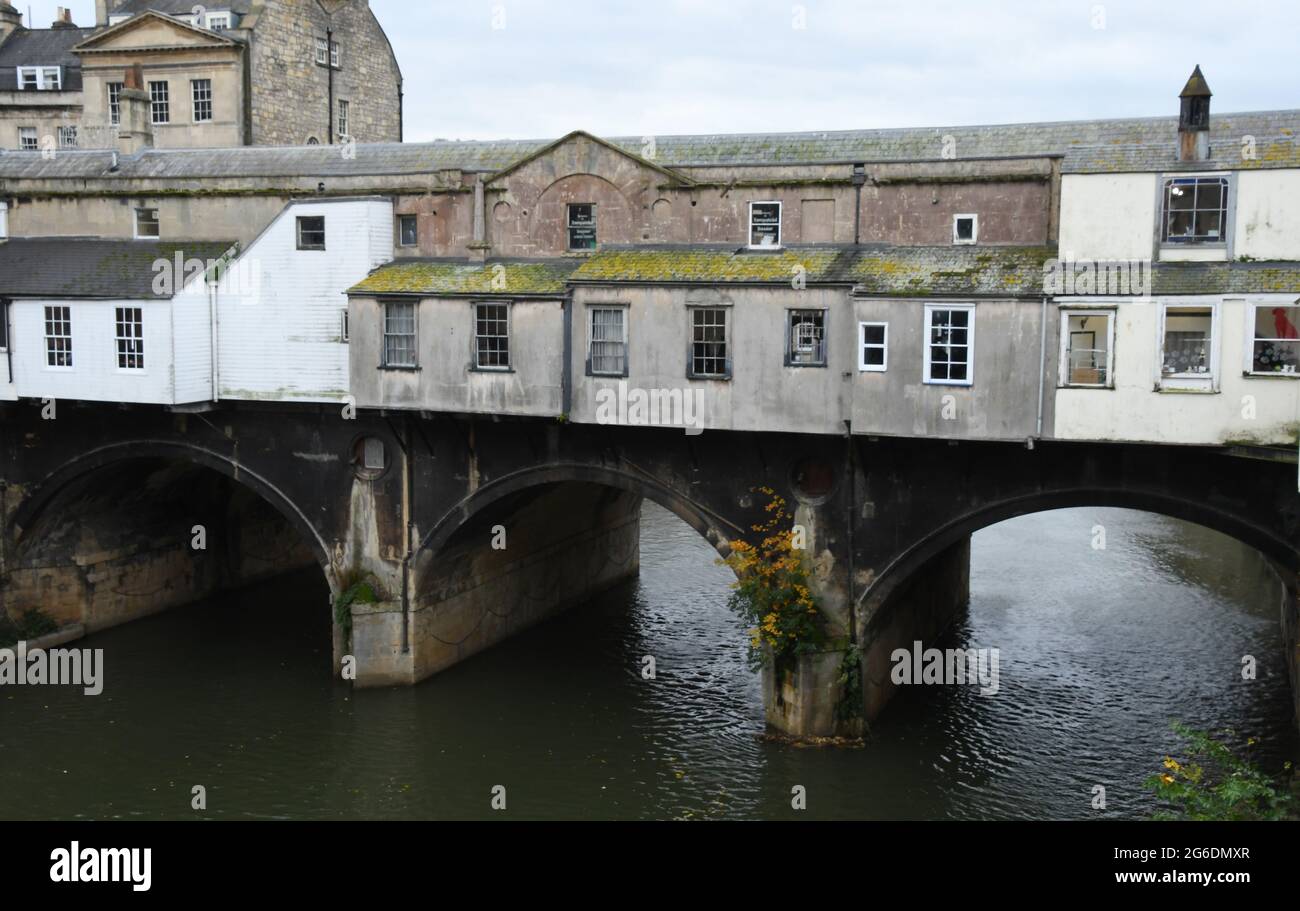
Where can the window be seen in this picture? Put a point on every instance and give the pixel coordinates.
(408, 230)
(950, 346)
(607, 350)
(374, 455)
(1276, 340)
(343, 118)
(399, 334)
(68, 137)
(311, 232)
(765, 224)
(492, 336)
(40, 78)
(1188, 356)
(873, 341)
(58, 337)
(146, 223)
(201, 90)
(218, 22)
(114, 103)
(805, 338)
(1087, 348)
(709, 356)
(582, 227)
(965, 229)
(160, 110)
(345, 329)
(328, 53)
(1195, 210)
(129, 323)
(27, 139)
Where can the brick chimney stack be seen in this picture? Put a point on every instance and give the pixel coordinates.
(64, 19)
(135, 127)
(10, 19)
(1194, 119)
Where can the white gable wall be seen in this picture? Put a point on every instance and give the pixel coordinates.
(281, 332)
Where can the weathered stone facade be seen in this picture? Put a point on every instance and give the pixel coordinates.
(291, 92)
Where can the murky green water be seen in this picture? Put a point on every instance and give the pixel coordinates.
(1098, 650)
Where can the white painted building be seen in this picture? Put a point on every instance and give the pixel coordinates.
(101, 321)
(282, 309)
(1193, 335)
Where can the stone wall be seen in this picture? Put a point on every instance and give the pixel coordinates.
(290, 91)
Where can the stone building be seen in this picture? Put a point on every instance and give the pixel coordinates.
(242, 72)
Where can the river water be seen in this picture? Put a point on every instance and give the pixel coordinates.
(1099, 649)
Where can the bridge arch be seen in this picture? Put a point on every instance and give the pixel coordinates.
(875, 601)
(46, 491)
(714, 527)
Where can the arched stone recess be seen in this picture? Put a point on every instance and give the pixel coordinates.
(133, 528)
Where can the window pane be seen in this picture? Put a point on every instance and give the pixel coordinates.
(1187, 341)
(491, 329)
(1277, 340)
(765, 225)
(709, 342)
(399, 335)
(608, 350)
(1087, 349)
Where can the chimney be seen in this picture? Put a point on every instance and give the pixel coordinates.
(64, 19)
(1194, 119)
(10, 20)
(135, 129)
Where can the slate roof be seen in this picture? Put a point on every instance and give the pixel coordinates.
(872, 269)
(1094, 146)
(1226, 278)
(42, 47)
(180, 7)
(458, 277)
(72, 267)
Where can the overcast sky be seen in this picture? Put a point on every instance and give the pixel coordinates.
(481, 69)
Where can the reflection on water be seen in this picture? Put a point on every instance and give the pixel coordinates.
(1098, 650)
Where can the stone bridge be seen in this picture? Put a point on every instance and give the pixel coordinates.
(473, 529)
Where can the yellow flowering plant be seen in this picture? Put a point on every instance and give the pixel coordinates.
(773, 592)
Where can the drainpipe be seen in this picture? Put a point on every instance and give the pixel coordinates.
(408, 497)
(215, 342)
(9, 337)
(859, 178)
(1042, 369)
(329, 65)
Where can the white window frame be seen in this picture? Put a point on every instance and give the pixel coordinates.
(1167, 244)
(45, 334)
(25, 133)
(930, 310)
(477, 363)
(863, 366)
(219, 22)
(165, 105)
(1066, 312)
(401, 220)
(975, 229)
(780, 224)
(196, 99)
(592, 310)
(45, 78)
(4, 219)
(1248, 360)
(64, 133)
(119, 341)
(115, 90)
(820, 347)
(692, 310)
(157, 219)
(1188, 382)
(345, 118)
(322, 52)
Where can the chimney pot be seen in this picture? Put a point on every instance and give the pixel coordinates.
(1194, 119)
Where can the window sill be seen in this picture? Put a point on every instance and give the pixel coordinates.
(1105, 388)
(492, 370)
(952, 384)
(1270, 376)
(709, 379)
(395, 369)
(807, 366)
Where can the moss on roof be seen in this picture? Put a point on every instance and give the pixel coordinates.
(951, 270)
(454, 278)
(708, 265)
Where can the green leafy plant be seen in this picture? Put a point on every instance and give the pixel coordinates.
(1213, 782)
(359, 588)
(773, 593)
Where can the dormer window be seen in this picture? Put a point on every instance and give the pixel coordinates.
(1195, 210)
(765, 225)
(40, 78)
(219, 22)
